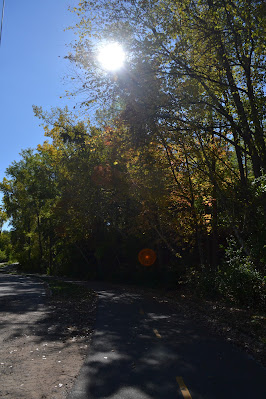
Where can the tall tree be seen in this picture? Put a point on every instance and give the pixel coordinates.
(193, 59)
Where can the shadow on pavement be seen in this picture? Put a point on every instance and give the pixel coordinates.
(26, 311)
(140, 346)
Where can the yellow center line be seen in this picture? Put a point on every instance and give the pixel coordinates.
(156, 333)
(183, 388)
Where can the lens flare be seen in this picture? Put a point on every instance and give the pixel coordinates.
(147, 257)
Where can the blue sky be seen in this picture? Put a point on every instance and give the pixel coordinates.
(32, 69)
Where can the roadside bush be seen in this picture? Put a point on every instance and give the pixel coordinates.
(204, 282)
(5, 246)
(239, 279)
(3, 257)
(236, 280)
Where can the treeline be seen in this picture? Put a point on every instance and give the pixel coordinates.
(176, 162)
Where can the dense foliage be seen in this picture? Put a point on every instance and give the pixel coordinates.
(176, 161)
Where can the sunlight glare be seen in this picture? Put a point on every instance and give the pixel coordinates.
(111, 56)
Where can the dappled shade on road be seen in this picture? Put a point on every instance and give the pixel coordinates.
(140, 346)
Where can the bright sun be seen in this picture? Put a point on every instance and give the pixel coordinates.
(111, 56)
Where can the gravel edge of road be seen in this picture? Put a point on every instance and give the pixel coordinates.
(75, 340)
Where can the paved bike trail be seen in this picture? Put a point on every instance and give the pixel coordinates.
(144, 349)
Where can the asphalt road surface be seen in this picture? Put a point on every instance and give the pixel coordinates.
(143, 349)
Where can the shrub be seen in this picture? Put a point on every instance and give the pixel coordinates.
(3, 257)
(205, 282)
(236, 279)
(239, 279)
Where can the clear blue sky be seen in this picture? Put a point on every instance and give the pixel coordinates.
(31, 71)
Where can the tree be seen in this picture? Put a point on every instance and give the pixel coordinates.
(3, 218)
(203, 58)
(29, 194)
(195, 77)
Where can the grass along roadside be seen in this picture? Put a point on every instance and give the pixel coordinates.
(62, 290)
